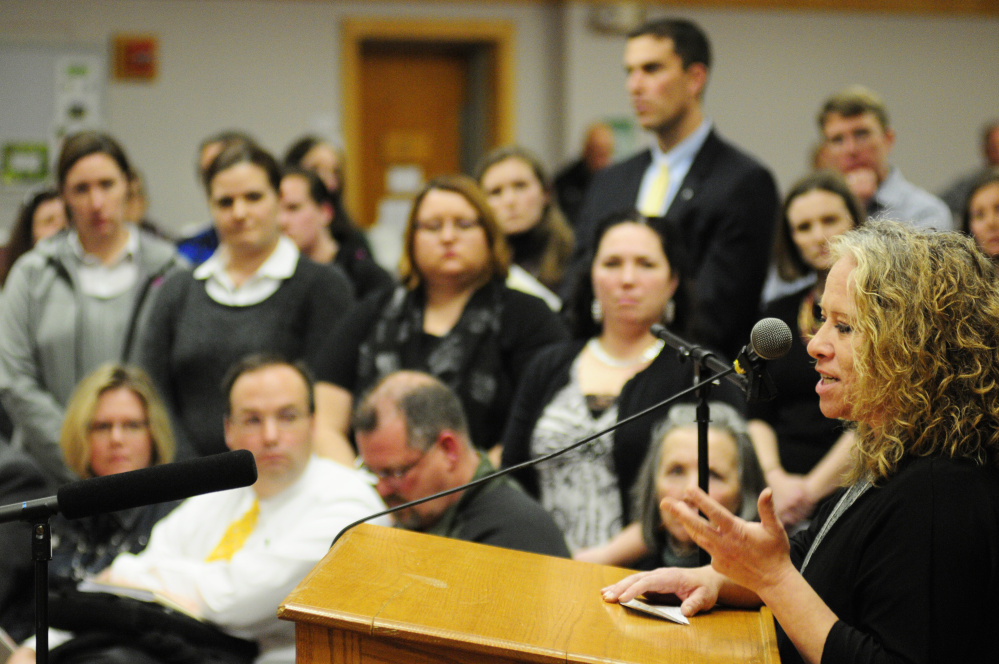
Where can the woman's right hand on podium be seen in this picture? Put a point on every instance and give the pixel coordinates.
(697, 588)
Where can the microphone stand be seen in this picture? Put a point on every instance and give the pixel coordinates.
(146, 486)
(703, 418)
(37, 513)
(703, 361)
(41, 553)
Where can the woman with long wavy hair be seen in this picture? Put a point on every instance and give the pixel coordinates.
(520, 192)
(902, 567)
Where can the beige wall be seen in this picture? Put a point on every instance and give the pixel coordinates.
(271, 67)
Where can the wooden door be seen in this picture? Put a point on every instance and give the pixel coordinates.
(413, 101)
(421, 98)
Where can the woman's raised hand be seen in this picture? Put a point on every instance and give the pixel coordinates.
(753, 555)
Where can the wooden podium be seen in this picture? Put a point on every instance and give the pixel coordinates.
(390, 595)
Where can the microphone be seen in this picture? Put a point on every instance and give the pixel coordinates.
(146, 486)
(769, 340)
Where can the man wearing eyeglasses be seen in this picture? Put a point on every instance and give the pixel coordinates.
(857, 142)
(231, 557)
(412, 438)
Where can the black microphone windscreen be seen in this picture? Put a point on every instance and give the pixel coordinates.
(770, 338)
(157, 484)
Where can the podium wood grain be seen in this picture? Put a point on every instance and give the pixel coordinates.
(389, 595)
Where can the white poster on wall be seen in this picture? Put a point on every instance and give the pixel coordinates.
(77, 94)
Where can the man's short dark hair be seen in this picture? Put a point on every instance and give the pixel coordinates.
(258, 361)
(689, 41)
(853, 101)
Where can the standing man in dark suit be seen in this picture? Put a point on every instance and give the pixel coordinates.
(720, 202)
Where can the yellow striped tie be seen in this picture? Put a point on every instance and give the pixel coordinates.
(652, 202)
(236, 535)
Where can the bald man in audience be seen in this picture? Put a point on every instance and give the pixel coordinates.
(572, 182)
(412, 436)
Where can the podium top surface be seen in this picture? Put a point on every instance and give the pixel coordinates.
(430, 590)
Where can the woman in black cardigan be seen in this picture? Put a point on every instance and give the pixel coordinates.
(615, 367)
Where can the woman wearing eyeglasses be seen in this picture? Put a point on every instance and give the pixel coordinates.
(452, 317)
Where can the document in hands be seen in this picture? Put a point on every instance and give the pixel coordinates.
(91, 586)
(671, 613)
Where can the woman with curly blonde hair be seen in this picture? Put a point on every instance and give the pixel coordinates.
(903, 566)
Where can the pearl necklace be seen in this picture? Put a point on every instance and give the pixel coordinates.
(648, 354)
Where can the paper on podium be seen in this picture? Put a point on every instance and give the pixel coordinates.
(671, 613)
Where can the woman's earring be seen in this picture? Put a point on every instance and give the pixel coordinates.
(597, 311)
(669, 312)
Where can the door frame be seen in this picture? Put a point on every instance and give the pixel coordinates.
(355, 32)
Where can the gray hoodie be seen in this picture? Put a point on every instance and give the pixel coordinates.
(40, 322)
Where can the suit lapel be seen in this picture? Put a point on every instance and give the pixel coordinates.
(692, 184)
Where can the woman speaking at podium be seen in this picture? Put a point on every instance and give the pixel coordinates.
(904, 566)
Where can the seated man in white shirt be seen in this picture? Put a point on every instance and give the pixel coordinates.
(288, 518)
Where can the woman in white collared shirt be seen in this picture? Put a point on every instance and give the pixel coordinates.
(76, 300)
(255, 294)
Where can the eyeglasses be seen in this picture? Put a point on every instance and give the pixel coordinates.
(397, 473)
(129, 428)
(253, 423)
(437, 225)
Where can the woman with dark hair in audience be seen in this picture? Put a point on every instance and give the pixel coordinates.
(76, 300)
(452, 317)
(42, 215)
(319, 156)
(803, 454)
(257, 293)
(902, 567)
(520, 193)
(115, 422)
(325, 160)
(981, 214)
(614, 367)
(307, 216)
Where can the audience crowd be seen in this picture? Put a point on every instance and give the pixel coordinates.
(510, 330)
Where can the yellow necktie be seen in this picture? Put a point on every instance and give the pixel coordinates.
(651, 204)
(235, 535)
